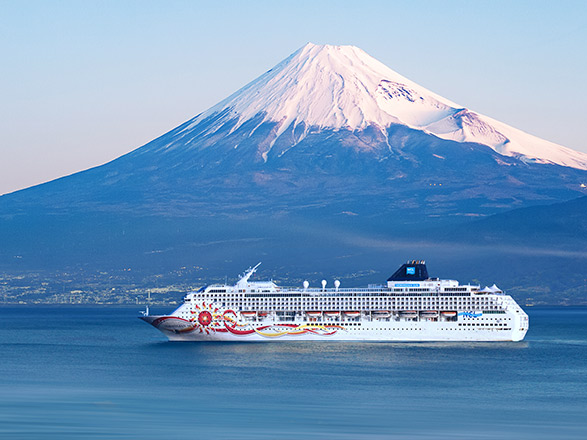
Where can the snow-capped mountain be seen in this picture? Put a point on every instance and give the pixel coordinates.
(325, 153)
(342, 87)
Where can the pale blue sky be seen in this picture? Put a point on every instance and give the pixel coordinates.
(82, 82)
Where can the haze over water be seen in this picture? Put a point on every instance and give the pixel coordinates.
(72, 372)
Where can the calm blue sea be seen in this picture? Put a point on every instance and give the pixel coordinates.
(101, 373)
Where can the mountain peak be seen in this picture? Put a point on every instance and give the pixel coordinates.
(342, 87)
(326, 86)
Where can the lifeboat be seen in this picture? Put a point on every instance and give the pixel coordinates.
(248, 314)
(381, 314)
(429, 314)
(332, 314)
(352, 314)
(449, 314)
(314, 314)
(263, 314)
(409, 314)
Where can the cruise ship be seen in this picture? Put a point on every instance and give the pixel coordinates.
(411, 306)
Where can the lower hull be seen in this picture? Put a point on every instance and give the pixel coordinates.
(177, 329)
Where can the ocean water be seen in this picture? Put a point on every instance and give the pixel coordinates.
(101, 373)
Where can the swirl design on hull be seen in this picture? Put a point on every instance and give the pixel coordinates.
(209, 319)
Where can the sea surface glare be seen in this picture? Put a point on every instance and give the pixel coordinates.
(101, 373)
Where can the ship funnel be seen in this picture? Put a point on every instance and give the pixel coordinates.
(414, 270)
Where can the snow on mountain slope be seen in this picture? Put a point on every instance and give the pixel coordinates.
(468, 126)
(342, 87)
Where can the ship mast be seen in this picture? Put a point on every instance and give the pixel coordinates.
(242, 283)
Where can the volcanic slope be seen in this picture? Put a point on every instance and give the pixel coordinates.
(330, 137)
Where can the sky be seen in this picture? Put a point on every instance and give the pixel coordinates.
(82, 83)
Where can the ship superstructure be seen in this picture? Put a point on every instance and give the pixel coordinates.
(411, 306)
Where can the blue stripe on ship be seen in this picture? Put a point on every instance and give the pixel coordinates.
(470, 314)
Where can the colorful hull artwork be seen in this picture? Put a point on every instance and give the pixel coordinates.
(410, 307)
(208, 319)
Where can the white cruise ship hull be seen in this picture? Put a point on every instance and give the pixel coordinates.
(178, 329)
(411, 307)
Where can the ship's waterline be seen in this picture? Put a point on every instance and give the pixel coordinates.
(411, 306)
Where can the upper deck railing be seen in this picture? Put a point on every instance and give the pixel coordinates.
(461, 290)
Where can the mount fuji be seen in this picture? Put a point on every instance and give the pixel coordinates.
(330, 141)
(342, 87)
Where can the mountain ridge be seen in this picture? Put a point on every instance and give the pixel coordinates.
(218, 191)
(342, 87)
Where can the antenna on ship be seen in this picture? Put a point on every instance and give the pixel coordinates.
(245, 278)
